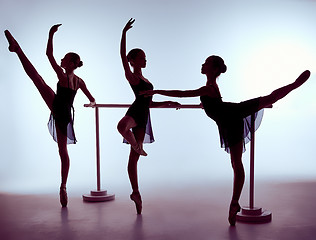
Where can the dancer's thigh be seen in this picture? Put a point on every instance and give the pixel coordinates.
(46, 92)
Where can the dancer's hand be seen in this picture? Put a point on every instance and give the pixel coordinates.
(175, 105)
(91, 104)
(128, 25)
(54, 29)
(148, 93)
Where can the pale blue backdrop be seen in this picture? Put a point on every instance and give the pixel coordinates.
(265, 44)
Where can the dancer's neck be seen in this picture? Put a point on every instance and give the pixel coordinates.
(211, 81)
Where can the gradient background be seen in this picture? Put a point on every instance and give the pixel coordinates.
(265, 44)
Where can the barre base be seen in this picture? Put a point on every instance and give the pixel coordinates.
(254, 215)
(98, 196)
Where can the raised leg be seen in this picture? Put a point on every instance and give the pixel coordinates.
(46, 92)
(283, 91)
(124, 127)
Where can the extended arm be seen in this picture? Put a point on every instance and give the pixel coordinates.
(175, 93)
(49, 51)
(179, 93)
(85, 90)
(128, 73)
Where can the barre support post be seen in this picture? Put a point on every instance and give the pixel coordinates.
(98, 195)
(252, 163)
(97, 140)
(253, 214)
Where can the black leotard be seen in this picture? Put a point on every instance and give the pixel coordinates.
(61, 113)
(139, 110)
(233, 119)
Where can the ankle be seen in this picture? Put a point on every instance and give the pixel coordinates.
(139, 149)
(135, 192)
(136, 147)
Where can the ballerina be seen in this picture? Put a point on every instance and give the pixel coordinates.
(230, 117)
(136, 123)
(60, 103)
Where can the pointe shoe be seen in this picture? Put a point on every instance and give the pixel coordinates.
(63, 197)
(139, 150)
(13, 45)
(233, 210)
(302, 78)
(138, 202)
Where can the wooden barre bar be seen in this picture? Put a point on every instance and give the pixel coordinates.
(128, 105)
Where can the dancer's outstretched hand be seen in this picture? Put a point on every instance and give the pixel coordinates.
(128, 25)
(175, 105)
(54, 29)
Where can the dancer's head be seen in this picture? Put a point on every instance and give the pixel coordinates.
(71, 60)
(214, 65)
(137, 58)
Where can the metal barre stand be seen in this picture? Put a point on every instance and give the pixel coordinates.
(253, 214)
(98, 195)
(247, 214)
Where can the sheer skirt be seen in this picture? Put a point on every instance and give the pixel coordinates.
(235, 124)
(66, 128)
(149, 135)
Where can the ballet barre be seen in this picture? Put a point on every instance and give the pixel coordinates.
(128, 105)
(247, 214)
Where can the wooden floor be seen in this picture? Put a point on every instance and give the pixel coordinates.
(193, 213)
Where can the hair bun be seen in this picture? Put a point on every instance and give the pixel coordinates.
(223, 68)
(80, 63)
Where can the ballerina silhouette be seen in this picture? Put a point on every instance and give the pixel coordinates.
(230, 117)
(60, 103)
(137, 117)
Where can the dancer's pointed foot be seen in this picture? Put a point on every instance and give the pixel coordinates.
(233, 210)
(135, 196)
(137, 148)
(63, 196)
(13, 45)
(302, 78)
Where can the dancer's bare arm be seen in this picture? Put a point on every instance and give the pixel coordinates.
(49, 52)
(128, 73)
(179, 93)
(85, 90)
